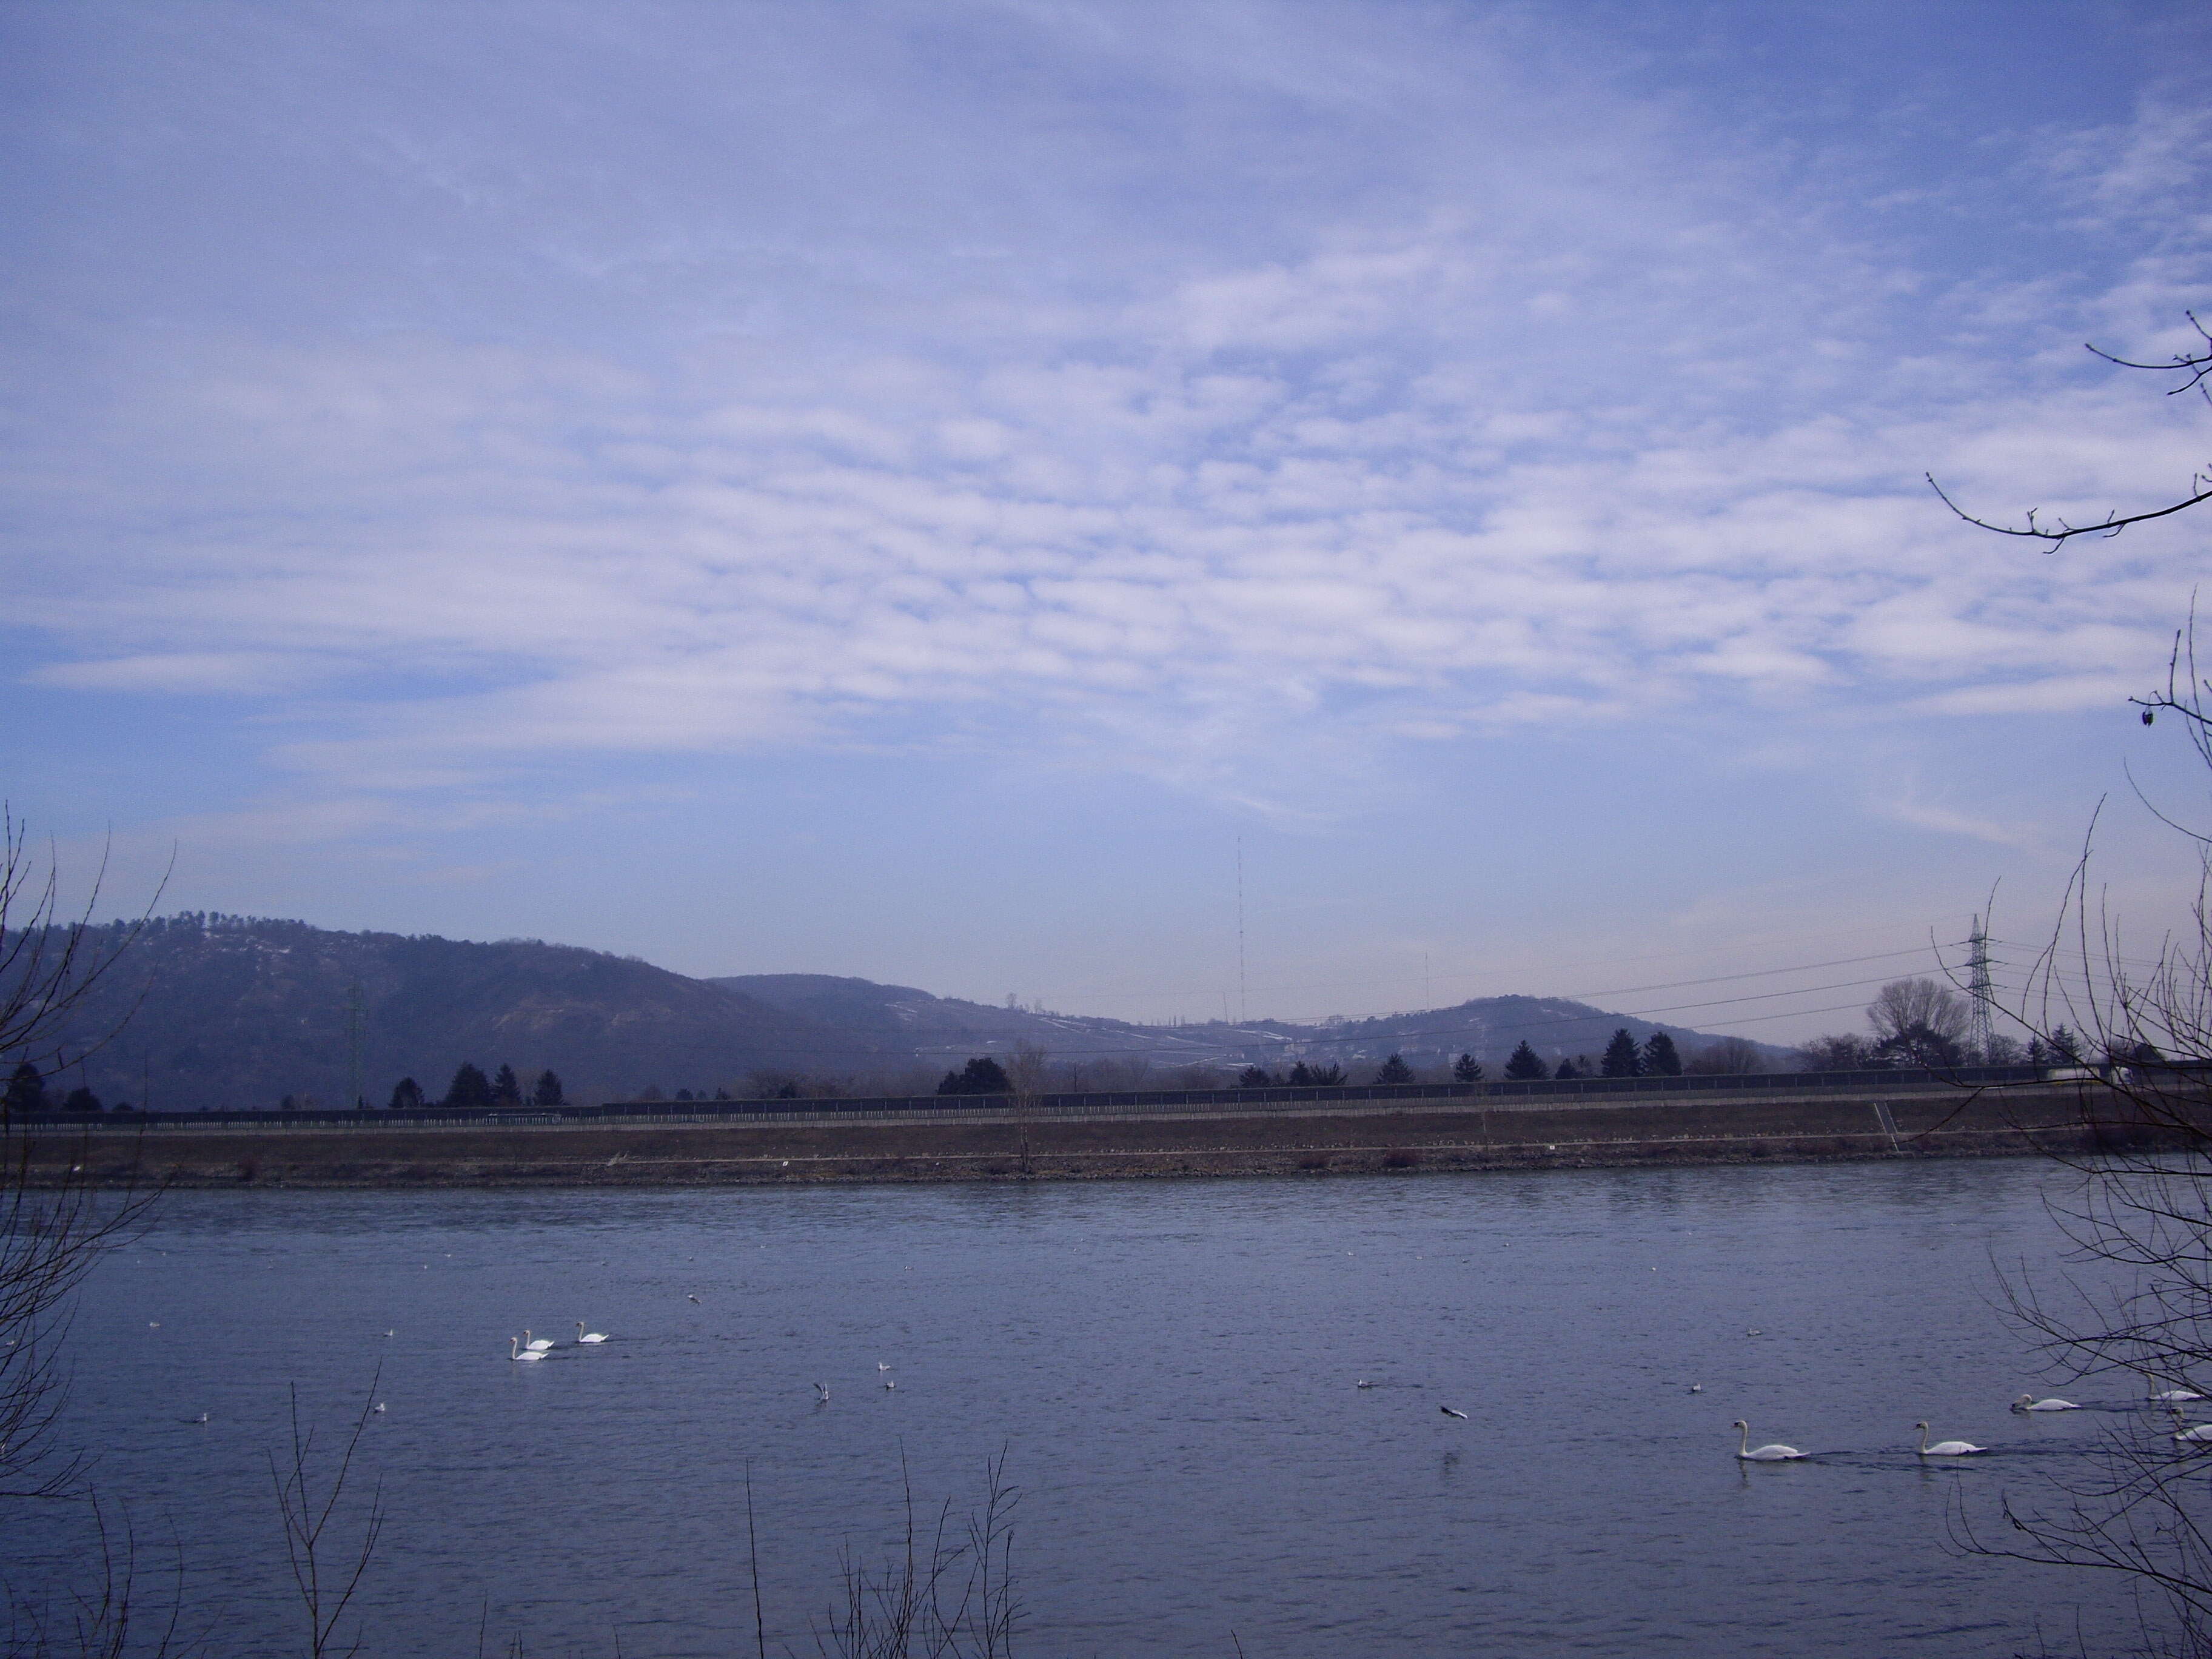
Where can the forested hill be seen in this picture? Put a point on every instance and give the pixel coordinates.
(204, 1012)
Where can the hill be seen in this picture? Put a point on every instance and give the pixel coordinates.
(209, 1011)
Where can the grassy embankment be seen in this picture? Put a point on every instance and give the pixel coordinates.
(1777, 1128)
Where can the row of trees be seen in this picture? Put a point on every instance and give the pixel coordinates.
(26, 1093)
(471, 1087)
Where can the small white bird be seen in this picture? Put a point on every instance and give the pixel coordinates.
(380, 1408)
(1945, 1448)
(514, 1350)
(387, 1333)
(201, 1418)
(822, 1393)
(687, 1297)
(881, 1366)
(1774, 1453)
(1365, 1383)
(582, 1335)
(153, 1324)
(1697, 1388)
(1449, 1411)
(2028, 1402)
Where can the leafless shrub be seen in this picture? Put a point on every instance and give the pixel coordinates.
(950, 1596)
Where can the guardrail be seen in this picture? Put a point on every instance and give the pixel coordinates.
(1095, 1103)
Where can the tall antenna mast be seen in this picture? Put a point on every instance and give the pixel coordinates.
(353, 1048)
(1979, 989)
(1242, 1013)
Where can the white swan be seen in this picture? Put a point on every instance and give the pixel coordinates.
(1776, 1453)
(514, 1350)
(2197, 1436)
(592, 1336)
(1945, 1448)
(2169, 1396)
(2028, 1402)
(539, 1345)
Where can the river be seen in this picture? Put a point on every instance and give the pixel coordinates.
(1170, 1371)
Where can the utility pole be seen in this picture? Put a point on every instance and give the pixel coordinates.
(1244, 1013)
(1979, 989)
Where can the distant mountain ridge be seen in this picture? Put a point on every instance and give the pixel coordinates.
(207, 1011)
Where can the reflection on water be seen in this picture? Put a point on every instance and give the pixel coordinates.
(1171, 1371)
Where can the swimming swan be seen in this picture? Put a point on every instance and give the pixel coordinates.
(1776, 1453)
(2197, 1436)
(1945, 1448)
(539, 1345)
(514, 1350)
(594, 1336)
(2028, 1402)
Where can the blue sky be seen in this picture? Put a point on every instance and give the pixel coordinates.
(908, 490)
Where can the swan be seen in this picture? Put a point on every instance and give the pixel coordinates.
(1449, 1411)
(1776, 1453)
(2197, 1436)
(2170, 1397)
(592, 1336)
(1948, 1448)
(539, 1345)
(2028, 1402)
(514, 1350)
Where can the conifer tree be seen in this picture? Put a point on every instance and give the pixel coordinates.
(547, 1091)
(81, 1099)
(1524, 1063)
(26, 1089)
(1301, 1076)
(1659, 1058)
(1622, 1058)
(1254, 1077)
(1467, 1069)
(1395, 1070)
(470, 1086)
(406, 1096)
(1566, 1069)
(506, 1087)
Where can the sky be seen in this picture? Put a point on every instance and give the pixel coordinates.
(1163, 511)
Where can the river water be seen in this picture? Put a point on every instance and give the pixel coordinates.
(1170, 1371)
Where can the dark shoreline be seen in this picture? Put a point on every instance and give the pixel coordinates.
(1941, 1123)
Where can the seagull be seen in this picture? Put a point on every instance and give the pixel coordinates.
(1754, 1333)
(387, 1333)
(823, 1390)
(380, 1406)
(201, 1418)
(1365, 1383)
(889, 1383)
(881, 1366)
(1697, 1388)
(687, 1297)
(1449, 1411)
(153, 1324)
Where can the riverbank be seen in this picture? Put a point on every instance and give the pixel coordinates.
(1008, 1146)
